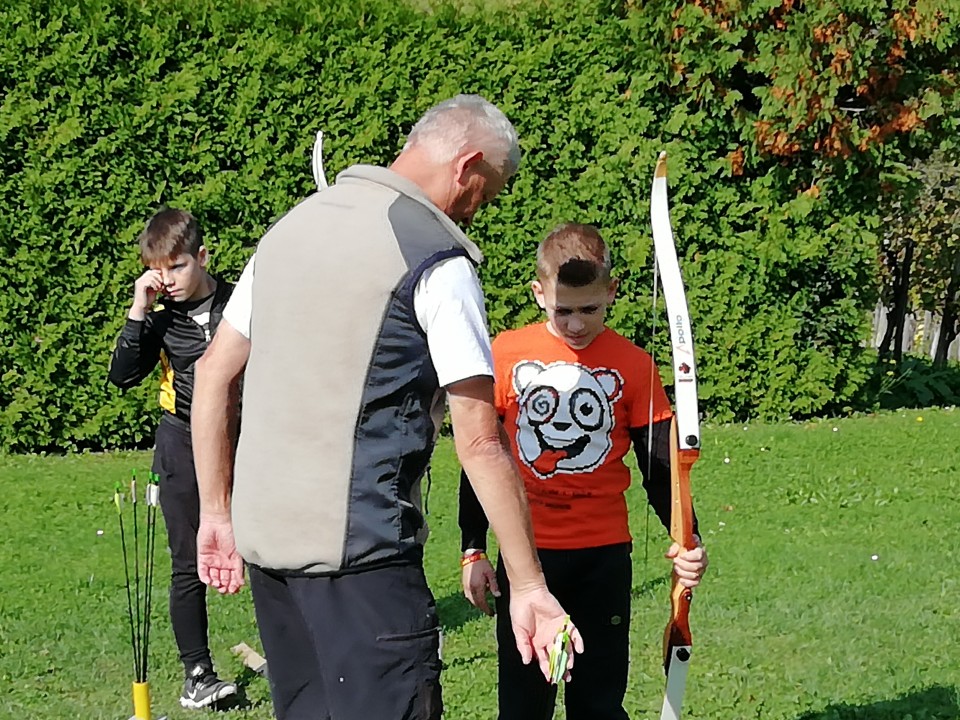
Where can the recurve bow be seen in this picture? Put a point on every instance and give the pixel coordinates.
(684, 440)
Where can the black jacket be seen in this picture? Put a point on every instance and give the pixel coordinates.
(170, 335)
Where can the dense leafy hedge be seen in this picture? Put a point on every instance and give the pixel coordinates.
(113, 107)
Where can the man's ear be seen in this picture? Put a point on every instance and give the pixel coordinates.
(203, 256)
(538, 294)
(466, 164)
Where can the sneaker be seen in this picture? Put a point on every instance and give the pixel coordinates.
(203, 688)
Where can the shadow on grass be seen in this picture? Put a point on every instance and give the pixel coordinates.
(465, 660)
(650, 585)
(934, 703)
(914, 383)
(240, 701)
(455, 612)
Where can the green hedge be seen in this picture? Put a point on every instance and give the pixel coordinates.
(112, 108)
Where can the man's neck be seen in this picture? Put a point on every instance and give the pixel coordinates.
(418, 167)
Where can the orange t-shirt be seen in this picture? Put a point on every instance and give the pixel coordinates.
(568, 414)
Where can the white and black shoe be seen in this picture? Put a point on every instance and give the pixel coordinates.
(203, 688)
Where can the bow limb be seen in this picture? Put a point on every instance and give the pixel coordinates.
(684, 440)
(319, 175)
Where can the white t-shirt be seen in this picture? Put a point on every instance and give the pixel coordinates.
(449, 306)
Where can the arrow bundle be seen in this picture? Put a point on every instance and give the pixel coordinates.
(139, 596)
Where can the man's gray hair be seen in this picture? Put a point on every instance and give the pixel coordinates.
(467, 121)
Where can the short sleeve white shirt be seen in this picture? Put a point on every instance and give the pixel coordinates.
(239, 307)
(448, 302)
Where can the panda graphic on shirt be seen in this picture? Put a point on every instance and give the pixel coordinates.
(565, 417)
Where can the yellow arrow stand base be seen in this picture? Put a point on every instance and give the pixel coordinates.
(141, 702)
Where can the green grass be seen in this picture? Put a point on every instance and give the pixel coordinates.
(831, 593)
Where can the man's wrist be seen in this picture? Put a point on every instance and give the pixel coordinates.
(216, 515)
(534, 586)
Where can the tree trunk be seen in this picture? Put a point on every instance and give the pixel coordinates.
(948, 326)
(896, 318)
(884, 346)
(890, 315)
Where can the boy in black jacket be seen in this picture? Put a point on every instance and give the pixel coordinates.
(176, 308)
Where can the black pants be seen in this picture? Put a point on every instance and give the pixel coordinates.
(180, 503)
(360, 646)
(593, 585)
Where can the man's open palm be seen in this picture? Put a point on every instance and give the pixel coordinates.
(537, 617)
(219, 565)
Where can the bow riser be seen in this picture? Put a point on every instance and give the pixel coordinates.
(677, 639)
(677, 632)
(681, 511)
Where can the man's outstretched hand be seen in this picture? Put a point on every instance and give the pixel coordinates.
(537, 617)
(219, 565)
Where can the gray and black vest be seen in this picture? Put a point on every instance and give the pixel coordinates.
(337, 429)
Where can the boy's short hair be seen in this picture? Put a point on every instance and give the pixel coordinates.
(574, 255)
(169, 233)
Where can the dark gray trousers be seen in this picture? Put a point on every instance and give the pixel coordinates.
(357, 646)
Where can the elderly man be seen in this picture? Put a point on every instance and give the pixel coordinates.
(360, 310)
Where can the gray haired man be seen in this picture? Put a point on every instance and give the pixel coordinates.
(359, 313)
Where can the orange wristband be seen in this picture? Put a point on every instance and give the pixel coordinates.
(472, 558)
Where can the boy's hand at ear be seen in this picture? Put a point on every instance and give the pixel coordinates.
(145, 291)
(477, 577)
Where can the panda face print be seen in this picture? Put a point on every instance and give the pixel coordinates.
(566, 416)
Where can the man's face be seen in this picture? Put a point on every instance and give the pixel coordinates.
(477, 183)
(182, 276)
(575, 314)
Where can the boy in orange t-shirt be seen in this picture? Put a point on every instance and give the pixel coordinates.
(574, 395)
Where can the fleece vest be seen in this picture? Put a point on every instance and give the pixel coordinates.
(337, 429)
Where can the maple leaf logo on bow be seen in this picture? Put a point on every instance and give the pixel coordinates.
(684, 439)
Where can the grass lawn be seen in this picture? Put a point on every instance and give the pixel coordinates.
(831, 594)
